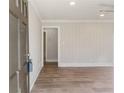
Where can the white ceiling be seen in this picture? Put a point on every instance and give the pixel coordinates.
(83, 10)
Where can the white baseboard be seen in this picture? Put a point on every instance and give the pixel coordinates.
(51, 60)
(67, 64)
(31, 86)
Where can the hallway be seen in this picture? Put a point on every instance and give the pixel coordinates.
(74, 80)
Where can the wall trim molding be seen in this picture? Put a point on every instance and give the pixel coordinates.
(86, 64)
(51, 60)
(77, 21)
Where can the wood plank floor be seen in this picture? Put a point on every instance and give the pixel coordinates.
(74, 80)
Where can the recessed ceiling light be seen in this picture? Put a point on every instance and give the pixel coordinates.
(72, 3)
(102, 15)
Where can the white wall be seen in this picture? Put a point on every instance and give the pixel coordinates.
(34, 44)
(51, 44)
(85, 43)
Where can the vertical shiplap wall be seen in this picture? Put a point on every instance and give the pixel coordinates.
(85, 44)
(35, 37)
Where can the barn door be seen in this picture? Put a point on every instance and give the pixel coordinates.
(18, 47)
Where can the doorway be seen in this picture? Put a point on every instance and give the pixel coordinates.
(50, 45)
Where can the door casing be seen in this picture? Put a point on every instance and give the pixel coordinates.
(59, 31)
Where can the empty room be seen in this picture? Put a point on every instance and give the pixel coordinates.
(65, 45)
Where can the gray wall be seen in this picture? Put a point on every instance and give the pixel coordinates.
(35, 37)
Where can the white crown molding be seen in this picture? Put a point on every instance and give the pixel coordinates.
(77, 21)
(33, 4)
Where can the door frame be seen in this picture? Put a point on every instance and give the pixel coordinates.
(59, 31)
